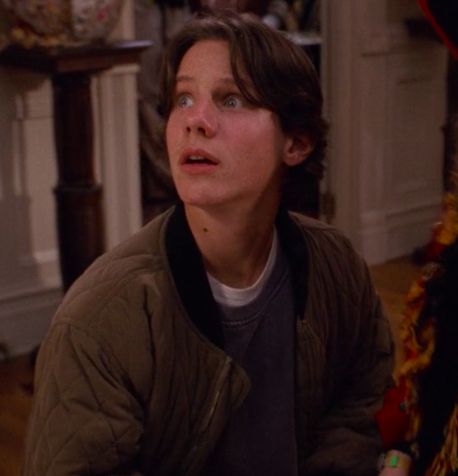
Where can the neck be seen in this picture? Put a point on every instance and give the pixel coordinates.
(235, 245)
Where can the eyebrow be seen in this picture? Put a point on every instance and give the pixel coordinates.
(224, 80)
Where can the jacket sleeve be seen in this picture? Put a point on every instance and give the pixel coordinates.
(347, 440)
(85, 419)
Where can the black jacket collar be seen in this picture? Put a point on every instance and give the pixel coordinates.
(191, 280)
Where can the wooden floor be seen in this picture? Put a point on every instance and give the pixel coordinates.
(15, 403)
(391, 279)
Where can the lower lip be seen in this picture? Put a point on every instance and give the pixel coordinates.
(198, 168)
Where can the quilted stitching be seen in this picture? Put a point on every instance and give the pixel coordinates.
(110, 338)
(72, 424)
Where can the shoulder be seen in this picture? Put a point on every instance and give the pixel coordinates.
(343, 306)
(324, 240)
(102, 331)
(114, 285)
(332, 258)
(318, 231)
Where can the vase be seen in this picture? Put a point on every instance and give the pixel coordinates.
(64, 22)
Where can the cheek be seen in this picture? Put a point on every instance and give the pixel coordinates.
(264, 138)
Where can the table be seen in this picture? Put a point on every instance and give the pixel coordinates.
(78, 196)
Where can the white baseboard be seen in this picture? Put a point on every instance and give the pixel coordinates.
(24, 319)
(388, 235)
(374, 242)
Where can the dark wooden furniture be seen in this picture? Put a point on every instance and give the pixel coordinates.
(78, 195)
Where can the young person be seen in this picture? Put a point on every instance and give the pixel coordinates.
(228, 336)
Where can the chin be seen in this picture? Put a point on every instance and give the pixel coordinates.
(202, 203)
(199, 199)
(198, 195)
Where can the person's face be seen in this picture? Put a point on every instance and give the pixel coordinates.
(222, 150)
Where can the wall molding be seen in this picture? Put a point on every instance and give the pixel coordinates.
(407, 212)
(342, 175)
(29, 276)
(117, 151)
(391, 233)
(25, 318)
(385, 146)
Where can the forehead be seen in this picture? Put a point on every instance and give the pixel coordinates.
(206, 55)
(209, 61)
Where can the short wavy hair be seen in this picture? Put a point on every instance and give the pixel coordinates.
(282, 77)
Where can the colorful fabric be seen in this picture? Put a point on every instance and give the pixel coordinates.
(419, 335)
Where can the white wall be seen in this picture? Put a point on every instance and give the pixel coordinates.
(30, 285)
(386, 94)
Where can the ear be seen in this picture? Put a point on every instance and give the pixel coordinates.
(297, 149)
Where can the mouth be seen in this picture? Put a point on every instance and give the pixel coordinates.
(190, 158)
(198, 159)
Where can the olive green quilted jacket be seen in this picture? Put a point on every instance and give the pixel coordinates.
(132, 380)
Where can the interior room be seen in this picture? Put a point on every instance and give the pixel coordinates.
(384, 77)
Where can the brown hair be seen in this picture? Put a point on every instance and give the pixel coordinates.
(282, 77)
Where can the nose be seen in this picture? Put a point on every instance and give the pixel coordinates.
(202, 119)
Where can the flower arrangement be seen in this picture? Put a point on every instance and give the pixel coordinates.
(51, 23)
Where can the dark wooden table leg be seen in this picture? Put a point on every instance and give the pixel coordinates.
(78, 196)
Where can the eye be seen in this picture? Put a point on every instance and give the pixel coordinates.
(184, 100)
(233, 101)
